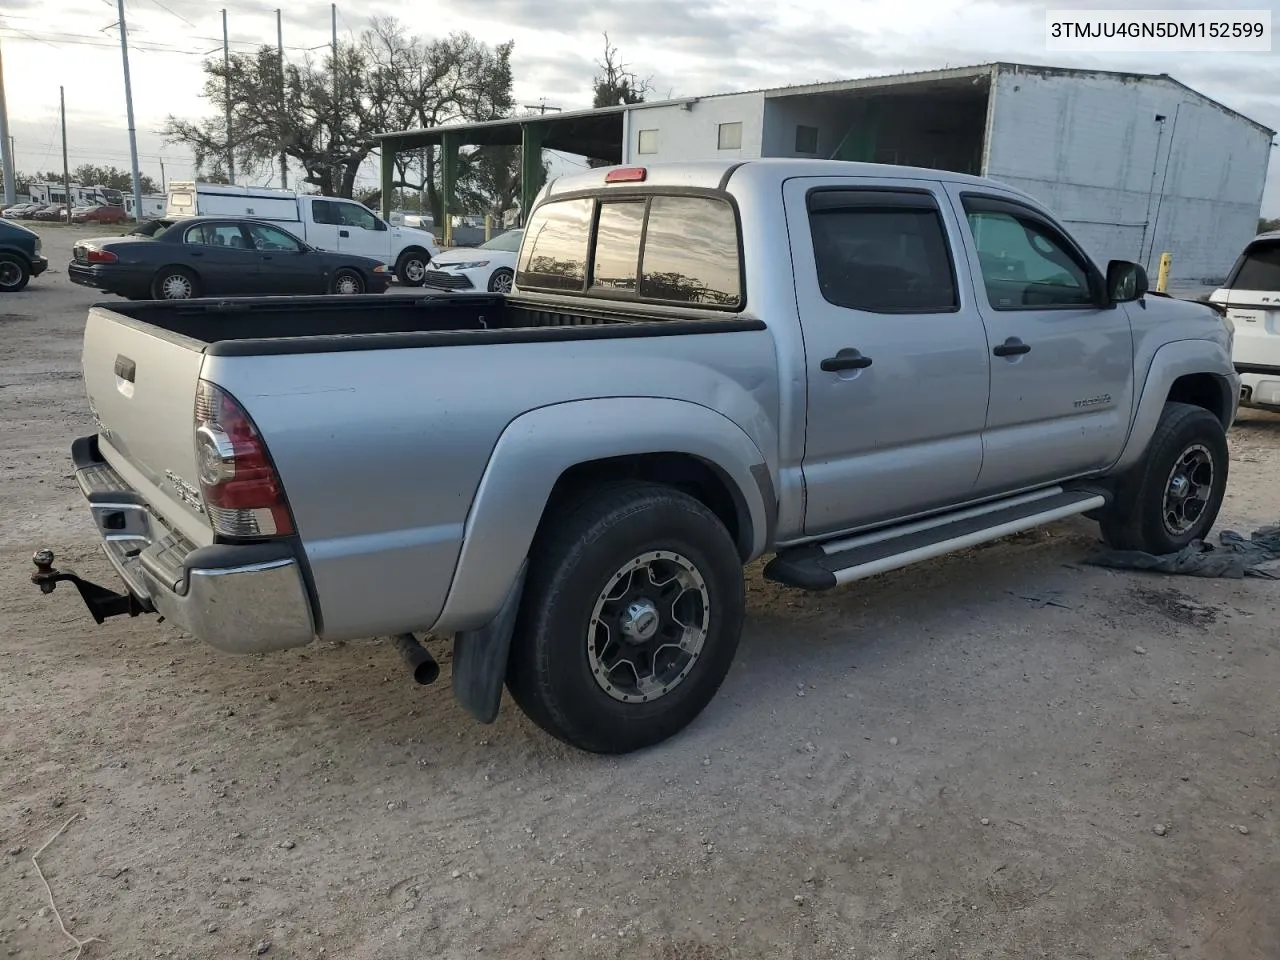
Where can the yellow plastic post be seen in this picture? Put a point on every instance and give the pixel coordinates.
(488, 227)
(1162, 278)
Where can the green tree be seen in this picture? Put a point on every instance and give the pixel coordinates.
(324, 115)
(1267, 226)
(90, 175)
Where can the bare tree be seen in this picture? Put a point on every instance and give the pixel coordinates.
(616, 84)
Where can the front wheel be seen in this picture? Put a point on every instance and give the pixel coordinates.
(1173, 495)
(630, 618)
(501, 280)
(14, 274)
(411, 268)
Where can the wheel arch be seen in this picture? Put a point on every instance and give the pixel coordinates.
(556, 452)
(1199, 372)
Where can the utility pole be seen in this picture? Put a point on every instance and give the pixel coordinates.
(6, 143)
(128, 105)
(284, 160)
(163, 188)
(542, 108)
(226, 70)
(66, 167)
(337, 110)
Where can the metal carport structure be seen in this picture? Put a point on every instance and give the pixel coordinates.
(597, 134)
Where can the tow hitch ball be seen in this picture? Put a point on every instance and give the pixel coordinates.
(102, 603)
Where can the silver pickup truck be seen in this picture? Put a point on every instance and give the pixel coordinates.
(849, 367)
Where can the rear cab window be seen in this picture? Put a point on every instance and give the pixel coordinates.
(649, 247)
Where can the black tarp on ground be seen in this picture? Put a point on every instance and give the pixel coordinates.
(1233, 558)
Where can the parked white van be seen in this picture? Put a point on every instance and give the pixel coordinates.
(1251, 297)
(327, 223)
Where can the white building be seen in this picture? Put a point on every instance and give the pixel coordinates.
(1135, 164)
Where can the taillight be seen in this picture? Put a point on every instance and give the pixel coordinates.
(101, 256)
(241, 489)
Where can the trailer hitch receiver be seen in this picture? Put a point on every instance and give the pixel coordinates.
(101, 601)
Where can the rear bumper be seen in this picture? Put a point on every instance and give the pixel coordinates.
(1259, 386)
(125, 283)
(241, 598)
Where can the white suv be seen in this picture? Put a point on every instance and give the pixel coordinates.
(1251, 297)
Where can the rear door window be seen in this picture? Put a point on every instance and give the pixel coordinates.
(1259, 268)
(882, 252)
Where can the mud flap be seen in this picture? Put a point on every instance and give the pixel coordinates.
(480, 657)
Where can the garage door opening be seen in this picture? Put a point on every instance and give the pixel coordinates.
(941, 124)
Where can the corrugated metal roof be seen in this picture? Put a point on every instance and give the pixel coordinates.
(836, 86)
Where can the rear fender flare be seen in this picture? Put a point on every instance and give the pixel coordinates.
(537, 448)
(1173, 360)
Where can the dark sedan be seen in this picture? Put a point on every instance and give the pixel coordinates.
(220, 256)
(20, 256)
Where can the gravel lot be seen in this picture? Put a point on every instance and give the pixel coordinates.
(1002, 754)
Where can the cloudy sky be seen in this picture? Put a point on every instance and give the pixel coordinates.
(687, 47)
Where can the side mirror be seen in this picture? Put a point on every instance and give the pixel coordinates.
(1126, 281)
(380, 225)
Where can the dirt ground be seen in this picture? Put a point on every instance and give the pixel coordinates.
(967, 759)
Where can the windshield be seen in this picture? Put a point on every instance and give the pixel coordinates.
(1259, 267)
(509, 241)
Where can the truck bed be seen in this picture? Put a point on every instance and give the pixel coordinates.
(261, 326)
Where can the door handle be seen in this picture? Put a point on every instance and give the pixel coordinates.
(846, 359)
(344, 233)
(1011, 348)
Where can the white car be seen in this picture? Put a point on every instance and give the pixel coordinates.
(1251, 297)
(490, 266)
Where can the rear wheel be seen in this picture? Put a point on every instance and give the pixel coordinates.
(175, 283)
(348, 282)
(14, 273)
(1173, 495)
(411, 268)
(630, 618)
(501, 281)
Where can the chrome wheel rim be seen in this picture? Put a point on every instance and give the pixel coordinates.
(10, 274)
(414, 270)
(348, 285)
(1188, 490)
(176, 287)
(648, 627)
(502, 283)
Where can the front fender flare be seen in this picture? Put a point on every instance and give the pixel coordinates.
(1173, 360)
(538, 447)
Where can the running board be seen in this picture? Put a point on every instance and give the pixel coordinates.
(821, 566)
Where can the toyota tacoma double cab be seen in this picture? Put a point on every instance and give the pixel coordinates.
(846, 367)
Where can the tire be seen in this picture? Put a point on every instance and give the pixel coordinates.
(347, 282)
(559, 671)
(1154, 510)
(175, 283)
(15, 273)
(501, 280)
(411, 268)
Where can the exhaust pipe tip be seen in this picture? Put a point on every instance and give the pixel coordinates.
(418, 658)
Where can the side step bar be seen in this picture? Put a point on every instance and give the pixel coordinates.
(821, 566)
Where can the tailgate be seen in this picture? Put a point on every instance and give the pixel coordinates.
(141, 382)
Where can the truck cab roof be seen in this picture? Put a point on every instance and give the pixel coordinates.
(716, 174)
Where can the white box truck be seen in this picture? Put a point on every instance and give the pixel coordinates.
(327, 223)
